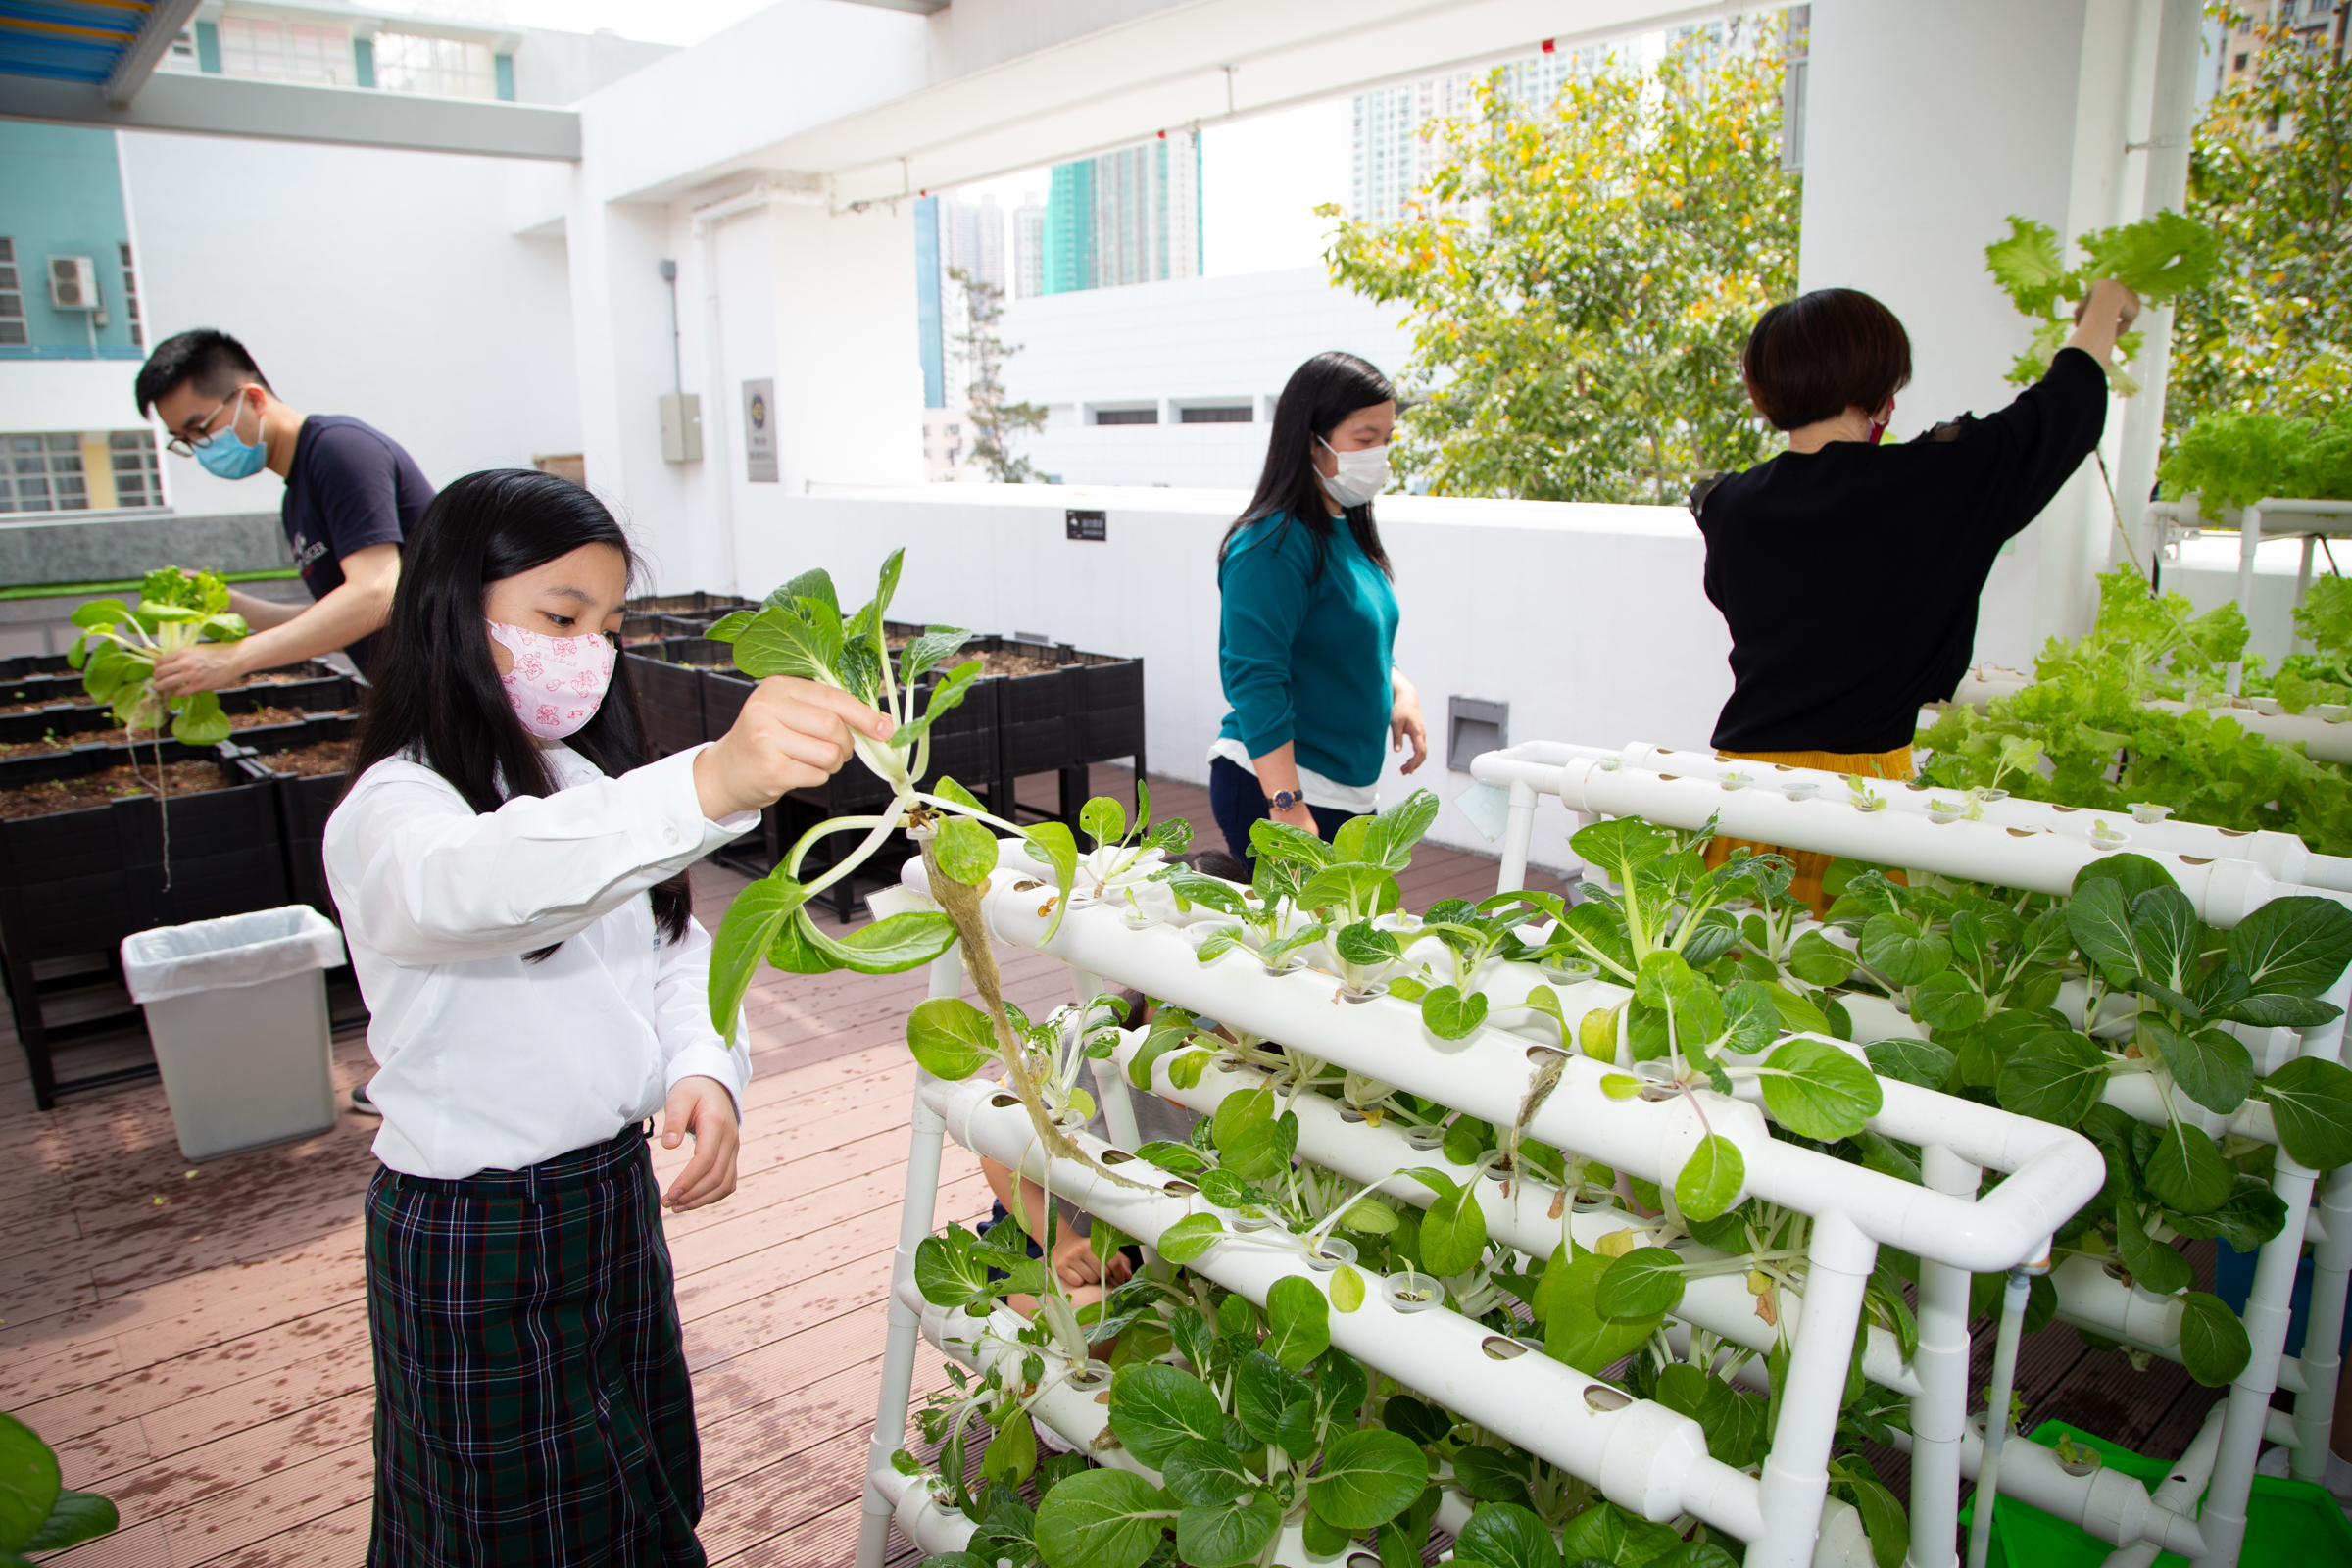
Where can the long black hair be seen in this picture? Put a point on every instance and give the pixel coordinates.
(1321, 393)
(437, 696)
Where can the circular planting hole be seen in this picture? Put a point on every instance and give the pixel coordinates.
(1004, 1101)
(1117, 1156)
(1425, 1138)
(1600, 1398)
(1351, 1115)
(1181, 1189)
(1498, 1349)
(1540, 1054)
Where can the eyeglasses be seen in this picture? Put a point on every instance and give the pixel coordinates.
(185, 446)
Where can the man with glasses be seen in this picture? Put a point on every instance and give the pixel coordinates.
(351, 496)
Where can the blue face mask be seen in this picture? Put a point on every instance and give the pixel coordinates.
(225, 455)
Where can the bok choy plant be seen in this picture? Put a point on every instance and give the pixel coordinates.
(801, 630)
(119, 646)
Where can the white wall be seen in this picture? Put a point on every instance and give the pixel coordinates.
(384, 285)
(1523, 601)
(1927, 125)
(1188, 338)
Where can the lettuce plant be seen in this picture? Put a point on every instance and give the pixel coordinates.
(2156, 258)
(119, 646)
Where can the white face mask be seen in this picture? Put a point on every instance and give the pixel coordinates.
(1361, 475)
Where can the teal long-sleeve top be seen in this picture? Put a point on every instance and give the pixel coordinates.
(1306, 658)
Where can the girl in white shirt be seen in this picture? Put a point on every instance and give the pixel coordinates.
(511, 874)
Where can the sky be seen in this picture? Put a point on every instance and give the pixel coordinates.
(1261, 180)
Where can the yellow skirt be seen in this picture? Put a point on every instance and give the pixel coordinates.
(1810, 867)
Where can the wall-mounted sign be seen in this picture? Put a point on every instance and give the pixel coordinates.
(760, 430)
(1092, 527)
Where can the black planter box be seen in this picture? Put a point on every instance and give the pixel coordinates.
(64, 720)
(304, 803)
(669, 699)
(687, 604)
(75, 884)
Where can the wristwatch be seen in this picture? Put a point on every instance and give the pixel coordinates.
(1285, 801)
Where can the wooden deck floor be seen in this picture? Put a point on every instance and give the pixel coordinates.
(194, 1341)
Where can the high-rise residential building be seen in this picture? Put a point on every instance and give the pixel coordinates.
(2316, 25)
(1029, 249)
(1393, 153)
(971, 235)
(1127, 216)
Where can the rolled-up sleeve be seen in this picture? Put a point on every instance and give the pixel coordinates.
(426, 879)
(1264, 599)
(689, 1046)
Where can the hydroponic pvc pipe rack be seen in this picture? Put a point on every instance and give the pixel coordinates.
(1639, 1454)
(2040, 848)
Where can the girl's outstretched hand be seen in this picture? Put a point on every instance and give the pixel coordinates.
(701, 1107)
(792, 734)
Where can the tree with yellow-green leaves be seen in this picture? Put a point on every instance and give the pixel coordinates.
(2271, 171)
(1581, 278)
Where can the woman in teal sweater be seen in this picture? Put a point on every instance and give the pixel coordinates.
(1310, 616)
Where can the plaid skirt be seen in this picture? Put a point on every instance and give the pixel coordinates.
(532, 1408)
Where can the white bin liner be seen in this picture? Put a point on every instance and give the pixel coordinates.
(237, 950)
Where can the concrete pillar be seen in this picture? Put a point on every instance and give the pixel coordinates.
(1927, 125)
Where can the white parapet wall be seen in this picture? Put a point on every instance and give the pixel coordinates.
(1585, 619)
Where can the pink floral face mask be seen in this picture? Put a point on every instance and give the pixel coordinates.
(556, 682)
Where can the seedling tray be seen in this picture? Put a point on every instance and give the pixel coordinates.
(2289, 1524)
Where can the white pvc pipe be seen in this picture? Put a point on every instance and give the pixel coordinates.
(2105, 1504)
(2014, 1294)
(1518, 835)
(2183, 1485)
(2223, 891)
(2054, 1170)
(1940, 1409)
(2323, 1327)
(1720, 1303)
(2282, 855)
(1796, 1477)
(1640, 1456)
(915, 1215)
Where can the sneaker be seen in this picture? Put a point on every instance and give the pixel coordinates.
(367, 1108)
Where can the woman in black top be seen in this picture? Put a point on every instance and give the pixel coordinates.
(1840, 521)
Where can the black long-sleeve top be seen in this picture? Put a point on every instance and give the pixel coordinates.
(1850, 575)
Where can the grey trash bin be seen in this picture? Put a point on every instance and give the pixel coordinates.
(236, 1009)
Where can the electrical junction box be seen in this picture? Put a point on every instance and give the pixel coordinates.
(73, 283)
(1474, 725)
(681, 427)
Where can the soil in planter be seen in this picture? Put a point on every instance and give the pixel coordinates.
(996, 661)
(123, 737)
(109, 784)
(312, 762)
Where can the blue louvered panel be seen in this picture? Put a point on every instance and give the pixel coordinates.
(68, 41)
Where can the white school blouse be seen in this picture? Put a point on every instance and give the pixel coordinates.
(487, 1062)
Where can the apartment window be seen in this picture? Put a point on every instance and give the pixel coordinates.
(44, 474)
(12, 297)
(137, 480)
(130, 299)
(436, 68)
(285, 51)
(1126, 416)
(1215, 414)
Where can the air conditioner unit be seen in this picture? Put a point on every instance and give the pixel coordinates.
(73, 284)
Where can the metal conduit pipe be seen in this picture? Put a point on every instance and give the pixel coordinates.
(1640, 1456)
(1521, 1219)
(2054, 1170)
